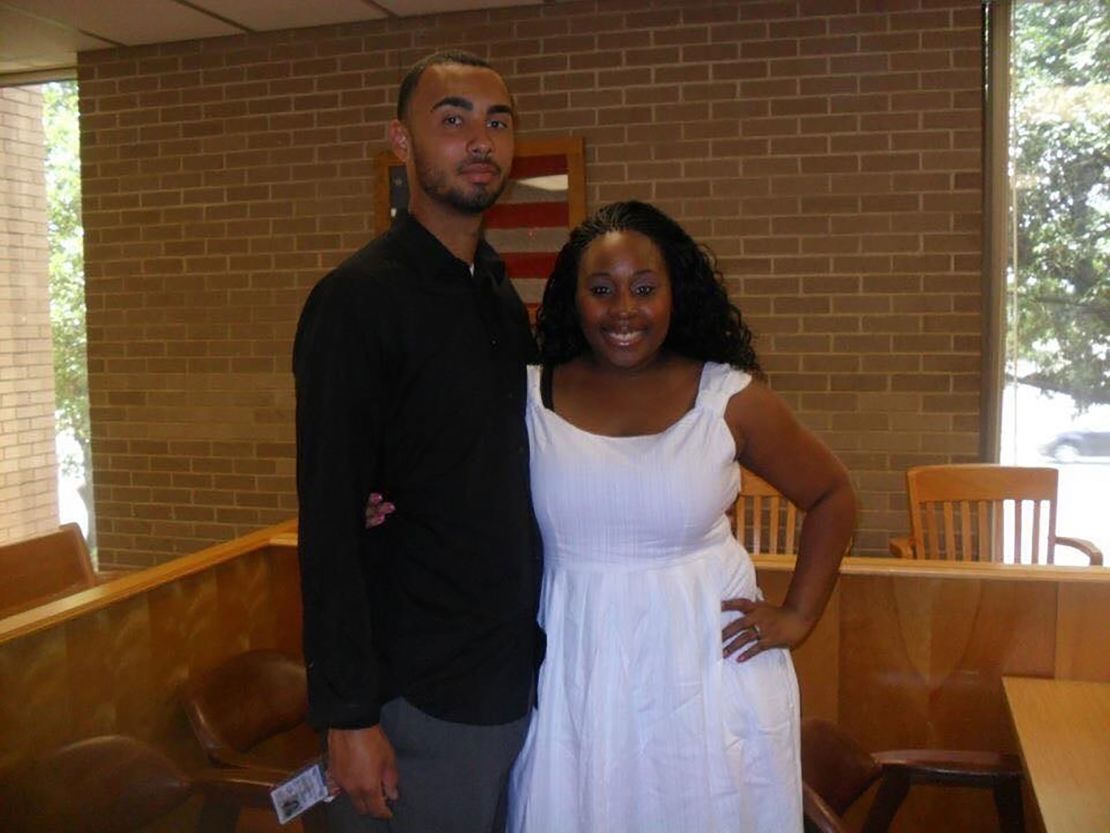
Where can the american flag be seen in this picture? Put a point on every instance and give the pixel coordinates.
(545, 198)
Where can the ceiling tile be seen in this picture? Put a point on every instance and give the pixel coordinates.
(415, 8)
(29, 43)
(128, 22)
(47, 34)
(265, 15)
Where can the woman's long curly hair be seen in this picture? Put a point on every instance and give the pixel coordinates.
(705, 325)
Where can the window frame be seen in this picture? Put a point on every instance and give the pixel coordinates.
(997, 206)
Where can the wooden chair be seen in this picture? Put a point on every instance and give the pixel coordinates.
(764, 520)
(117, 784)
(836, 771)
(249, 712)
(45, 567)
(963, 513)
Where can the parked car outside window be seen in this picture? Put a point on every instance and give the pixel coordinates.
(1070, 446)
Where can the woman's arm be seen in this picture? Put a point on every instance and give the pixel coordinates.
(772, 443)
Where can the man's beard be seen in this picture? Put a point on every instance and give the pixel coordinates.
(434, 183)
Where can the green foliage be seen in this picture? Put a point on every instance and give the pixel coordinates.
(1060, 164)
(1060, 43)
(67, 267)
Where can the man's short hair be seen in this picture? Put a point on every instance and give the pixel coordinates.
(447, 56)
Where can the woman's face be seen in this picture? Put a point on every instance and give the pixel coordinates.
(624, 299)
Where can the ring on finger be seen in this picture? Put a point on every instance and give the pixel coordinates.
(758, 633)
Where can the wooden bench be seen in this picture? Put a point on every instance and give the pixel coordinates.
(43, 568)
(112, 659)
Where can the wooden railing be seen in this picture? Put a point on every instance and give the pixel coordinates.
(912, 654)
(39, 569)
(112, 658)
(909, 653)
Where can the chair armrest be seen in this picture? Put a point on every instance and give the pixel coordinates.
(1086, 547)
(241, 787)
(819, 816)
(227, 758)
(901, 547)
(227, 791)
(945, 766)
(224, 757)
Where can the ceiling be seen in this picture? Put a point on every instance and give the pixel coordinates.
(40, 39)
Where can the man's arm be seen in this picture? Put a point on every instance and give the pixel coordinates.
(338, 384)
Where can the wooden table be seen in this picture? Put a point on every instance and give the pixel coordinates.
(1063, 728)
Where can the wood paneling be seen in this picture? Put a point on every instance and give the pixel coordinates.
(1082, 633)
(908, 653)
(912, 654)
(111, 659)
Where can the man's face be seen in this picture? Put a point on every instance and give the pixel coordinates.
(457, 138)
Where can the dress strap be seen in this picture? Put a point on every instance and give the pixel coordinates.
(534, 382)
(718, 384)
(546, 377)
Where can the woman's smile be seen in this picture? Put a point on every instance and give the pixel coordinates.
(624, 299)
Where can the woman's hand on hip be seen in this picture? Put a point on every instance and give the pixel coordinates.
(761, 626)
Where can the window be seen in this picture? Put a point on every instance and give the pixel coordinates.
(44, 408)
(62, 144)
(1049, 251)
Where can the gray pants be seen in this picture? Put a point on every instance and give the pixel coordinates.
(452, 777)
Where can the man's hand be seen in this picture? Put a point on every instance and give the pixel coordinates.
(362, 764)
(377, 510)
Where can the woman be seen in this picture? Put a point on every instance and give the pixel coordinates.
(649, 396)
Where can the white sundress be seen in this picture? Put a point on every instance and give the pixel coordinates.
(641, 725)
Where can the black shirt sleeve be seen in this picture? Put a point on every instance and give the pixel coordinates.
(338, 374)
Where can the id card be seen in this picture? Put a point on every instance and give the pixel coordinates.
(304, 789)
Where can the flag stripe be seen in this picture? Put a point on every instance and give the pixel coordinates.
(535, 190)
(529, 264)
(528, 166)
(530, 290)
(527, 239)
(525, 214)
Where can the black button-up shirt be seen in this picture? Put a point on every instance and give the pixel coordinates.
(410, 382)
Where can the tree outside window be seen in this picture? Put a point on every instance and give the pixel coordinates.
(1056, 406)
(67, 302)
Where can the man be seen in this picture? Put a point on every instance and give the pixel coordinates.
(419, 633)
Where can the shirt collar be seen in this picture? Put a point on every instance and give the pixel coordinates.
(435, 260)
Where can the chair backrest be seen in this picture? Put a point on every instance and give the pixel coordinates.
(45, 567)
(765, 521)
(834, 765)
(818, 816)
(108, 784)
(983, 512)
(245, 701)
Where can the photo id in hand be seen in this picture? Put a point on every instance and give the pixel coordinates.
(304, 789)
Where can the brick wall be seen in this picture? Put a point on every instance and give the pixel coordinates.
(828, 150)
(28, 472)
